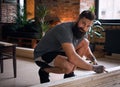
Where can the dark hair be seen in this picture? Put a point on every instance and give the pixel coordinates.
(87, 14)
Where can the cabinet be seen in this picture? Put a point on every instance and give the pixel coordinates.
(24, 42)
(112, 41)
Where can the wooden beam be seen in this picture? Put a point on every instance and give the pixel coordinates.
(110, 79)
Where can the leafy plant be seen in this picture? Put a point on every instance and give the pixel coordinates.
(96, 30)
(41, 14)
(21, 18)
(92, 9)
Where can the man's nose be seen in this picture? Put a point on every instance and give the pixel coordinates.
(84, 29)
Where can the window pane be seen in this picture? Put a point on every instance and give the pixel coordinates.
(116, 9)
(109, 9)
(86, 4)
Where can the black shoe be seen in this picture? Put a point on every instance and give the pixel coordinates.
(69, 75)
(44, 76)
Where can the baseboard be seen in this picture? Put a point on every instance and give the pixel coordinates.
(113, 56)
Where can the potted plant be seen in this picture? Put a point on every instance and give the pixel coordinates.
(21, 18)
(23, 26)
(95, 32)
(42, 12)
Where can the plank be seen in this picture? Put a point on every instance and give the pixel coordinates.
(91, 79)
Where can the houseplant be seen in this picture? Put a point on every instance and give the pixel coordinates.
(42, 12)
(95, 32)
(24, 27)
(21, 18)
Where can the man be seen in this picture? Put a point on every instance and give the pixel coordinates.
(62, 48)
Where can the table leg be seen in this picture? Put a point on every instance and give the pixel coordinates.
(14, 62)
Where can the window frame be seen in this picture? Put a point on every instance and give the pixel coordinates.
(105, 21)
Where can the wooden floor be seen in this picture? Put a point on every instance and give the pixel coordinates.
(84, 78)
(91, 79)
(27, 72)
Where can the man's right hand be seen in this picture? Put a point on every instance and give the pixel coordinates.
(98, 68)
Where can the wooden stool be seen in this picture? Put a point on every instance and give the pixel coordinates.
(8, 51)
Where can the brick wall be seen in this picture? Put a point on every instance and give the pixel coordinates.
(8, 12)
(65, 10)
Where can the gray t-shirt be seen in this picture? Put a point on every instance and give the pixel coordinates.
(53, 39)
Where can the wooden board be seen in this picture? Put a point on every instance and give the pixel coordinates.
(91, 79)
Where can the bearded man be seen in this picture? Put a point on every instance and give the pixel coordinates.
(62, 48)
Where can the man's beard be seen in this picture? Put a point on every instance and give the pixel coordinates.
(78, 32)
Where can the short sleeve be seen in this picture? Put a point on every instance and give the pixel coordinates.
(63, 34)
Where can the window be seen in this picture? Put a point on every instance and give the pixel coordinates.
(7, 11)
(86, 4)
(108, 11)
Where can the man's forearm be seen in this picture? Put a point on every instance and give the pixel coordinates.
(92, 58)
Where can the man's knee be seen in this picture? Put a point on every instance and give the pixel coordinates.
(65, 66)
(85, 42)
(69, 69)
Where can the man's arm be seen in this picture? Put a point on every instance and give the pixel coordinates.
(91, 56)
(74, 58)
(83, 49)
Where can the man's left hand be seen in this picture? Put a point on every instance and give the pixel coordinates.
(95, 62)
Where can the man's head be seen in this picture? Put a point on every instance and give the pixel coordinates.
(83, 23)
